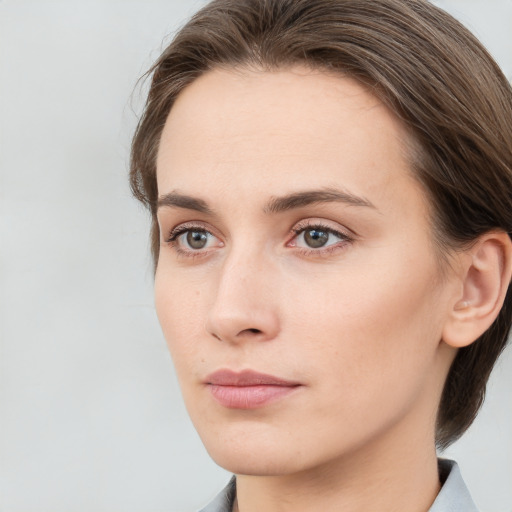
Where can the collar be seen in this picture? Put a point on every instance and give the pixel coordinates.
(453, 497)
(223, 502)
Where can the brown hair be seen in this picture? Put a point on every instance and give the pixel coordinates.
(424, 65)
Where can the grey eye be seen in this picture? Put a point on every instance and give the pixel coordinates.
(197, 239)
(316, 238)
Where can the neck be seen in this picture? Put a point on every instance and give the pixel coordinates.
(384, 476)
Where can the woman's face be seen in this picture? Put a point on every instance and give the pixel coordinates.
(298, 286)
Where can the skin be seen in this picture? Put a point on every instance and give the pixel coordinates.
(358, 322)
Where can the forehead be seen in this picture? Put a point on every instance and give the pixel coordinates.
(274, 129)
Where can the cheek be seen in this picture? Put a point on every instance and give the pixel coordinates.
(370, 323)
(178, 304)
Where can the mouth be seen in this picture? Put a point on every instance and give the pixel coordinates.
(248, 389)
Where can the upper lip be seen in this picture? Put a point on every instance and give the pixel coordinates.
(226, 377)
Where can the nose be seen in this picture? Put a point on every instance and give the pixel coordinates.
(245, 303)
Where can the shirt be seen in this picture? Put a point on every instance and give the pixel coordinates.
(453, 497)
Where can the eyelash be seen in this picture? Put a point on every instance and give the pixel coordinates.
(175, 233)
(345, 238)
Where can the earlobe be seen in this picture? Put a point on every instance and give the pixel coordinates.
(486, 275)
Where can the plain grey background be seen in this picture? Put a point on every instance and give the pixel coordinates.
(91, 419)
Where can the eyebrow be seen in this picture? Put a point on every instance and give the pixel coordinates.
(177, 200)
(275, 205)
(308, 197)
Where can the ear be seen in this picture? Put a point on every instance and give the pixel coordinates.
(485, 277)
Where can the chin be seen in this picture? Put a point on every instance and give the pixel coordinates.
(255, 464)
(252, 454)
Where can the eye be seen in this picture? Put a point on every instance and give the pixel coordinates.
(317, 237)
(192, 239)
(195, 239)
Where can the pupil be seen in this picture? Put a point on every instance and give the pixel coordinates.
(196, 239)
(315, 238)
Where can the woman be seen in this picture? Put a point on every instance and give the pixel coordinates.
(330, 186)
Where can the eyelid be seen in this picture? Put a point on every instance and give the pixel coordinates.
(325, 225)
(190, 254)
(345, 235)
(178, 230)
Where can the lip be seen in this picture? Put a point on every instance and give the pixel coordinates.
(248, 389)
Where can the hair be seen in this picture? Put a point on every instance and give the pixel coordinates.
(422, 64)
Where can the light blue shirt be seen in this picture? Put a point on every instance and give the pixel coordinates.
(453, 497)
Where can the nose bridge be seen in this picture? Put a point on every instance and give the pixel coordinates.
(243, 306)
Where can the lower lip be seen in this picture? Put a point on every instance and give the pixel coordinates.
(249, 397)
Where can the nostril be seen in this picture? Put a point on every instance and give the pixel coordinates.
(241, 333)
